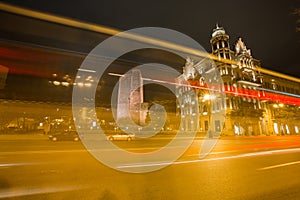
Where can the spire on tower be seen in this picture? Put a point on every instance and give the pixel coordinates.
(218, 30)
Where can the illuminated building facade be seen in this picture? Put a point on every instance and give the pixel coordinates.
(257, 103)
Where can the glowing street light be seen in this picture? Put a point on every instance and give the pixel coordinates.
(56, 83)
(281, 105)
(206, 97)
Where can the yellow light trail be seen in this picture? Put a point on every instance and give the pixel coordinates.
(57, 19)
(112, 31)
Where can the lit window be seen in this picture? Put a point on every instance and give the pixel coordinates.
(296, 129)
(236, 130)
(276, 128)
(287, 129)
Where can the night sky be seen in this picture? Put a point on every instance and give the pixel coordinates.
(268, 28)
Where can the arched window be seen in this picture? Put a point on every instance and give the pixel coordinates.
(205, 108)
(201, 81)
(215, 47)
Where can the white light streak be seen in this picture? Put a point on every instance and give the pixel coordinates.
(280, 165)
(87, 70)
(213, 159)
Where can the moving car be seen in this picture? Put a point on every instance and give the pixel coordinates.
(121, 136)
(62, 129)
(66, 135)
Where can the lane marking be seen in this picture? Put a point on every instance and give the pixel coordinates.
(19, 192)
(136, 165)
(272, 152)
(40, 152)
(215, 153)
(81, 150)
(5, 165)
(280, 165)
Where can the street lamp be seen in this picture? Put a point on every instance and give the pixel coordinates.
(206, 97)
(66, 81)
(281, 105)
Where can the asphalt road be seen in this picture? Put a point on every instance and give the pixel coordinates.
(32, 167)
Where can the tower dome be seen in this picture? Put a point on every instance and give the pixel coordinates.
(218, 31)
(220, 43)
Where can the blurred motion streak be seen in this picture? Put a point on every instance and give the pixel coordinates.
(111, 31)
(262, 153)
(21, 192)
(260, 93)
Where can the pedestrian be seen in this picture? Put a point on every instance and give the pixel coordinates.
(46, 127)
